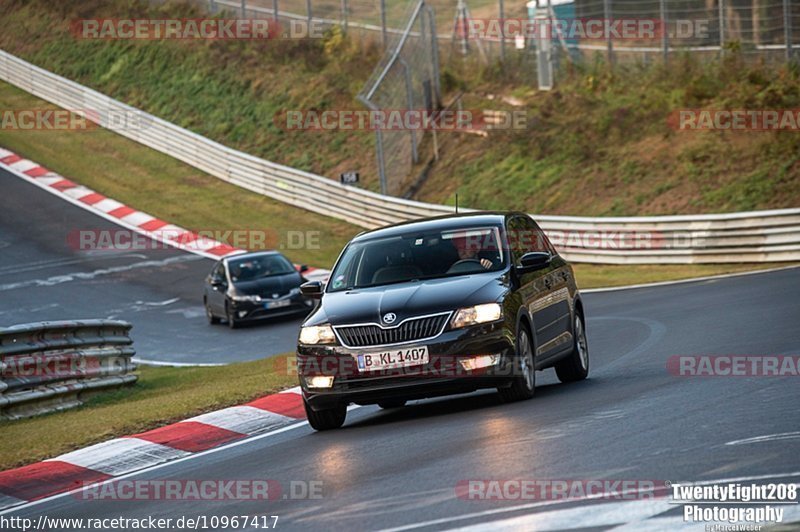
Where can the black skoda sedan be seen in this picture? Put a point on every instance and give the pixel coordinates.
(253, 286)
(436, 307)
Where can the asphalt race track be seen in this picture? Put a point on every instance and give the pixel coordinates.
(43, 277)
(631, 420)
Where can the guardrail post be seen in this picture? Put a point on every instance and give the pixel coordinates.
(721, 28)
(308, 17)
(787, 28)
(344, 15)
(275, 10)
(383, 24)
(212, 6)
(662, 6)
(244, 8)
(502, 13)
(609, 44)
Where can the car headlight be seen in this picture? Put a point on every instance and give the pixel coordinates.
(241, 297)
(317, 334)
(477, 314)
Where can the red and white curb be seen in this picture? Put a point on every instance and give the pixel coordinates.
(123, 215)
(121, 456)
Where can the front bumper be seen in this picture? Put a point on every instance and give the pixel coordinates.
(442, 375)
(251, 310)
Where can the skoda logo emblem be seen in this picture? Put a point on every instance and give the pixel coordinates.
(389, 317)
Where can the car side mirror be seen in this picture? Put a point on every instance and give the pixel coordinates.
(303, 268)
(312, 289)
(534, 260)
(216, 282)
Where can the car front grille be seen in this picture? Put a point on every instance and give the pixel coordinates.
(409, 331)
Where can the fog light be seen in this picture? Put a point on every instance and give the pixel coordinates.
(320, 381)
(242, 313)
(478, 362)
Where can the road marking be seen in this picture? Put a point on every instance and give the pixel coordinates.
(544, 504)
(767, 437)
(604, 514)
(690, 280)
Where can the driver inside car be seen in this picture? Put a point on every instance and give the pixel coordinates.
(470, 249)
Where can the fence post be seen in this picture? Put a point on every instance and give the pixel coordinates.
(344, 15)
(383, 24)
(502, 10)
(381, 164)
(434, 55)
(721, 28)
(664, 30)
(309, 17)
(787, 28)
(410, 103)
(609, 45)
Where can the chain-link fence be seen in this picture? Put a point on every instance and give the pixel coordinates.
(407, 78)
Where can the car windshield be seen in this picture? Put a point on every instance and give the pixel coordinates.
(250, 268)
(415, 256)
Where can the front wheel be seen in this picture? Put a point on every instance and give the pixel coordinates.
(576, 366)
(524, 381)
(327, 419)
(230, 318)
(212, 320)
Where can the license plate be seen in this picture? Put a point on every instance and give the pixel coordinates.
(277, 304)
(395, 358)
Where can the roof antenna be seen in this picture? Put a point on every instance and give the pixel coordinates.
(456, 202)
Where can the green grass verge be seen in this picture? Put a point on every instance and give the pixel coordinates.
(162, 395)
(167, 188)
(136, 175)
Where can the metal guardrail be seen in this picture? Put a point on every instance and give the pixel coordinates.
(765, 236)
(49, 366)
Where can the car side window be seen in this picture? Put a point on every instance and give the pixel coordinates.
(516, 239)
(537, 240)
(218, 273)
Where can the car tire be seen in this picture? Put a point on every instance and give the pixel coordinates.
(327, 419)
(212, 320)
(576, 366)
(392, 403)
(232, 323)
(523, 384)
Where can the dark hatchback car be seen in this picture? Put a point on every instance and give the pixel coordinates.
(254, 286)
(436, 307)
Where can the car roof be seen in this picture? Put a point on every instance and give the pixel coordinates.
(252, 254)
(448, 221)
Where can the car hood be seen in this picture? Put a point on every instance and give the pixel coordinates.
(405, 300)
(267, 286)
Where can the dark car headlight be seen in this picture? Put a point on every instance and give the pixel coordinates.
(477, 314)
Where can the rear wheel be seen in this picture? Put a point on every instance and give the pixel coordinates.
(392, 403)
(576, 366)
(327, 419)
(212, 320)
(524, 382)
